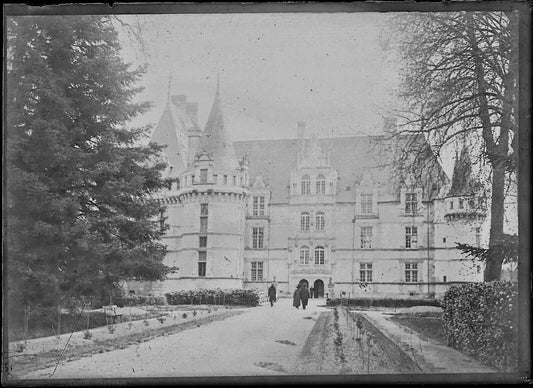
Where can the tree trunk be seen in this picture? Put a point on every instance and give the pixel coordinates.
(493, 267)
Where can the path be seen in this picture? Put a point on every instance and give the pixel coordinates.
(243, 345)
(429, 355)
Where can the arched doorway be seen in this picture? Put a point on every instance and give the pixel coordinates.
(318, 289)
(304, 281)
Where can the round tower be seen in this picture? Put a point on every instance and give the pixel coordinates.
(213, 192)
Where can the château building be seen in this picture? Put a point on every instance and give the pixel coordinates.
(336, 213)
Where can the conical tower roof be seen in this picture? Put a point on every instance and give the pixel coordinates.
(216, 140)
(170, 132)
(463, 182)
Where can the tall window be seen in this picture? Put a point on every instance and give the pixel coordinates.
(411, 272)
(203, 224)
(304, 255)
(225, 180)
(203, 176)
(411, 236)
(365, 272)
(204, 209)
(451, 205)
(306, 184)
(319, 255)
(366, 237)
(321, 184)
(411, 202)
(366, 203)
(162, 218)
(320, 221)
(257, 238)
(202, 263)
(258, 206)
(257, 271)
(203, 241)
(304, 222)
(478, 237)
(461, 203)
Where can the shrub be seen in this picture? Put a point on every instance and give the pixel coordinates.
(385, 302)
(139, 300)
(87, 334)
(480, 319)
(218, 296)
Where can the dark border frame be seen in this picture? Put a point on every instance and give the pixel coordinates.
(524, 177)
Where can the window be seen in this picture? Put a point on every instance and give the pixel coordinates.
(202, 263)
(411, 272)
(215, 178)
(411, 234)
(203, 224)
(306, 184)
(203, 241)
(257, 271)
(365, 272)
(257, 238)
(304, 255)
(193, 178)
(162, 218)
(320, 221)
(258, 206)
(321, 184)
(234, 180)
(225, 179)
(366, 237)
(204, 209)
(478, 237)
(444, 278)
(410, 202)
(366, 203)
(461, 204)
(319, 255)
(304, 222)
(451, 205)
(201, 268)
(203, 176)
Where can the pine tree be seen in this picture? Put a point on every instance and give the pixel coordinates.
(80, 216)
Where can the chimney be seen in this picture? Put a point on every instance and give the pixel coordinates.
(191, 109)
(178, 100)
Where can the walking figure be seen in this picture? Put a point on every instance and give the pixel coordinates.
(296, 297)
(272, 294)
(304, 295)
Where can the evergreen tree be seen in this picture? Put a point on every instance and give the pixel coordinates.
(80, 216)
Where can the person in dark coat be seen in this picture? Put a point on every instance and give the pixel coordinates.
(304, 295)
(296, 297)
(272, 294)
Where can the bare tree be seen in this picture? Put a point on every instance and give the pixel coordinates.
(459, 81)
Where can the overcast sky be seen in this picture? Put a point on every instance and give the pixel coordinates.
(324, 68)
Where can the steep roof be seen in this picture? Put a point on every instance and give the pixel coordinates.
(171, 130)
(463, 182)
(216, 140)
(352, 157)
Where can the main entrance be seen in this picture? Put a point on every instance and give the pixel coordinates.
(318, 289)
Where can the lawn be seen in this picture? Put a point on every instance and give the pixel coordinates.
(429, 325)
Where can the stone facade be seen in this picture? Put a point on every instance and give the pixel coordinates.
(332, 212)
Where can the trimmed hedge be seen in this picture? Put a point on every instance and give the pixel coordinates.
(139, 300)
(217, 296)
(481, 320)
(384, 302)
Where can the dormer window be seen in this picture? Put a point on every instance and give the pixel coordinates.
(366, 203)
(306, 184)
(258, 206)
(411, 203)
(321, 184)
(203, 175)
